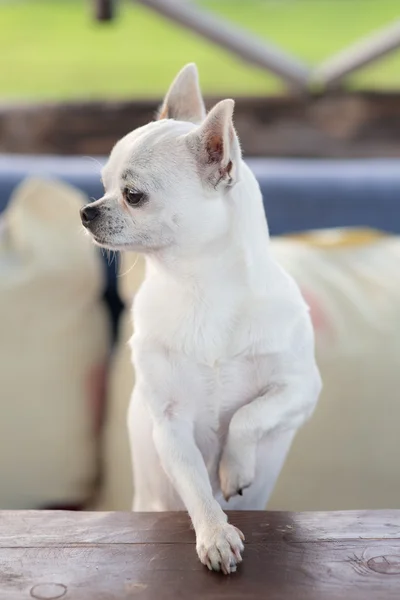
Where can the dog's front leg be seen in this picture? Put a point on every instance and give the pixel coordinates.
(282, 407)
(166, 389)
(219, 544)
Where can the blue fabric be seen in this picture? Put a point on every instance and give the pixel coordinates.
(311, 194)
(298, 194)
(83, 173)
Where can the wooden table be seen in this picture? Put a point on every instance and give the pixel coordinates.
(110, 556)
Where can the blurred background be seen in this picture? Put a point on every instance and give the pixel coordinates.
(57, 49)
(317, 90)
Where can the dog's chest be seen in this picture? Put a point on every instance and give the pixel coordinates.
(213, 344)
(227, 383)
(212, 341)
(218, 392)
(207, 330)
(220, 389)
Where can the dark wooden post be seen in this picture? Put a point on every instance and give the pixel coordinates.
(104, 9)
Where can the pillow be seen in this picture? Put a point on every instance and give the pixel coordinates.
(53, 349)
(116, 491)
(346, 456)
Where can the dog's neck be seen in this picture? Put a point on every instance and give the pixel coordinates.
(238, 257)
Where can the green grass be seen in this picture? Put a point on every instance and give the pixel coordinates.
(54, 49)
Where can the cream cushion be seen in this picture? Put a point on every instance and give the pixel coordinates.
(54, 342)
(116, 491)
(346, 456)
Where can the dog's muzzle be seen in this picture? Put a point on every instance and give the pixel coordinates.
(89, 214)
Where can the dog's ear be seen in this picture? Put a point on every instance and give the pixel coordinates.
(183, 101)
(216, 145)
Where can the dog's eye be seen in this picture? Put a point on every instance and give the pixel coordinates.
(133, 198)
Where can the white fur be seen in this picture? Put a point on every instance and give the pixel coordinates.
(223, 346)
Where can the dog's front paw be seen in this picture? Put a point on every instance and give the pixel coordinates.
(236, 473)
(220, 547)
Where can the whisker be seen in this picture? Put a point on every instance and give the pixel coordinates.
(94, 160)
(130, 268)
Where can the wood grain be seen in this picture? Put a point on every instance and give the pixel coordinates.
(110, 556)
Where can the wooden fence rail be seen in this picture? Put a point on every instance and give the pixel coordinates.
(295, 73)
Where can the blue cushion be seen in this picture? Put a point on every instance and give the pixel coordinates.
(313, 194)
(298, 194)
(83, 173)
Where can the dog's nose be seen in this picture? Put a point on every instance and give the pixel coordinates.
(89, 213)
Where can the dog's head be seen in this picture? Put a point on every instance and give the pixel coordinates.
(165, 184)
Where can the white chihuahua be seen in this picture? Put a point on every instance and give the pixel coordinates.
(223, 346)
